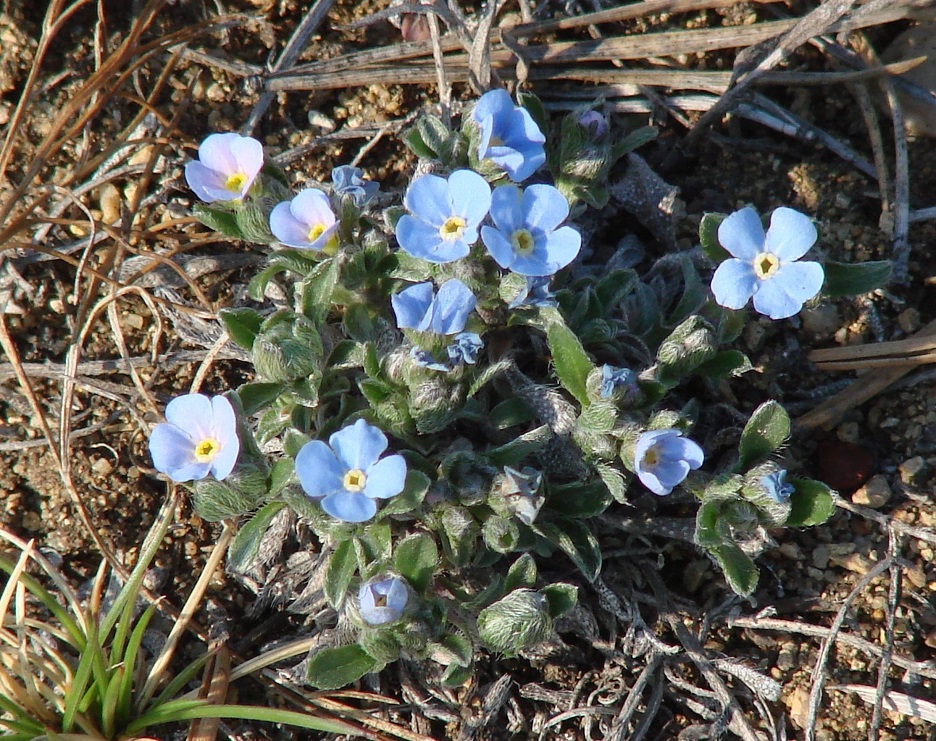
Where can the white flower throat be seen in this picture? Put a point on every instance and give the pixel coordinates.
(766, 264)
(354, 480)
(207, 449)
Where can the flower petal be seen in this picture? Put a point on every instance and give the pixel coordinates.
(544, 207)
(193, 414)
(208, 184)
(349, 506)
(553, 252)
(429, 199)
(225, 432)
(411, 306)
(453, 304)
(507, 209)
(742, 234)
(287, 228)
(310, 207)
(471, 199)
(649, 479)
(792, 285)
(493, 103)
(687, 450)
(734, 283)
(386, 478)
(319, 470)
(358, 446)
(215, 153)
(790, 235)
(499, 246)
(173, 453)
(423, 240)
(248, 153)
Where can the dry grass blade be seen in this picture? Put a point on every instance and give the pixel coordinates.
(894, 701)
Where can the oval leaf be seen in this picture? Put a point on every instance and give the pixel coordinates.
(572, 364)
(811, 503)
(334, 668)
(416, 558)
(843, 279)
(246, 544)
(766, 430)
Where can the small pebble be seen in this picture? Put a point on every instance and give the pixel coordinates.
(820, 556)
(102, 467)
(844, 466)
(909, 320)
(914, 471)
(822, 320)
(787, 658)
(874, 494)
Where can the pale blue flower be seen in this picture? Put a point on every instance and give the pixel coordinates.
(418, 308)
(510, 137)
(348, 473)
(198, 438)
(444, 215)
(765, 265)
(527, 238)
(424, 358)
(349, 181)
(306, 222)
(594, 123)
(613, 378)
(536, 293)
(226, 167)
(663, 459)
(383, 600)
(776, 486)
(465, 348)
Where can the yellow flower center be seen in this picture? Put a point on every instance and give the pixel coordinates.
(495, 141)
(522, 241)
(765, 265)
(354, 480)
(206, 450)
(651, 457)
(380, 600)
(453, 228)
(235, 182)
(316, 231)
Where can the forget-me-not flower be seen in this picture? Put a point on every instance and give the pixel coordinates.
(349, 181)
(465, 348)
(444, 215)
(306, 222)
(776, 486)
(765, 265)
(613, 378)
(226, 167)
(527, 238)
(348, 474)
(510, 137)
(198, 438)
(663, 459)
(383, 600)
(424, 358)
(417, 307)
(536, 293)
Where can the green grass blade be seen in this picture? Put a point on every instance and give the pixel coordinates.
(129, 661)
(109, 703)
(76, 692)
(179, 681)
(165, 713)
(247, 712)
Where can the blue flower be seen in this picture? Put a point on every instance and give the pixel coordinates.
(226, 167)
(306, 222)
(764, 265)
(347, 475)
(776, 487)
(510, 137)
(536, 293)
(613, 378)
(663, 459)
(526, 239)
(349, 181)
(200, 437)
(424, 358)
(444, 215)
(446, 313)
(465, 348)
(383, 600)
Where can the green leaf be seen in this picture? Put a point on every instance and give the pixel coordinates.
(243, 551)
(708, 236)
(416, 558)
(578, 500)
(614, 481)
(726, 363)
(637, 138)
(334, 668)
(358, 323)
(522, 573)
(242, 325)
(578, 542)
(509, 413)
(281, 475)
(413, 494)
(765, 432)
(614, 288)
(317, 289)
(256, 396)
(694, 293)
(571, 362)
(456, 676)
(731, 324)
(561, 598)
(339, 572)
(346, 354)
(217, 219)
(458, 650)
(811, 503)
(414, 141)
(740, 570)
(843, 279)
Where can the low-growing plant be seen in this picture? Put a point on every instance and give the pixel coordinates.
(446, 397)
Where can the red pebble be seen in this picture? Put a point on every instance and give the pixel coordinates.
(844, 466)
